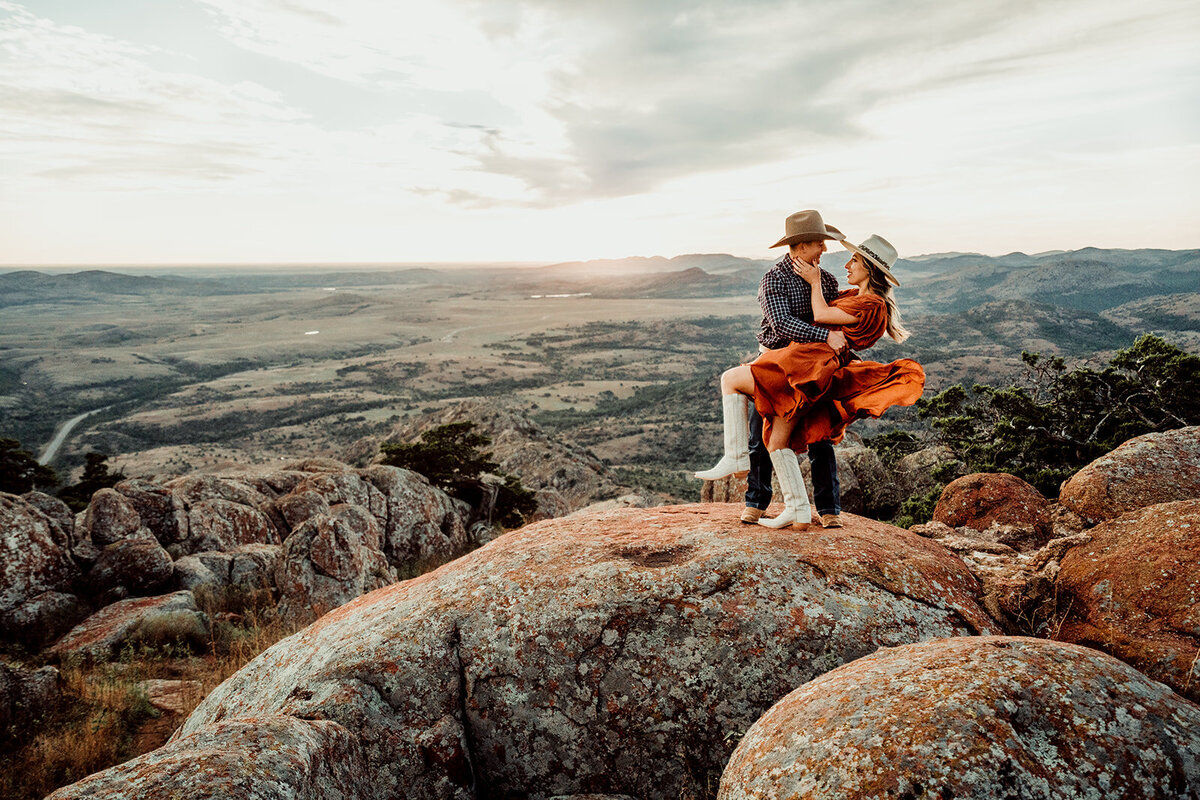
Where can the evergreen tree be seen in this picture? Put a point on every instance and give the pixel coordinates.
(20, 472)
(95, 477)
(1056, 421)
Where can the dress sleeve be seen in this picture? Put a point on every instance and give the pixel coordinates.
(872, 320)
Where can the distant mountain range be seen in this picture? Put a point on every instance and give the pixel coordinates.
(1090, 279)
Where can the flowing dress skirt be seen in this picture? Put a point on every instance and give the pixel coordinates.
(824, 392)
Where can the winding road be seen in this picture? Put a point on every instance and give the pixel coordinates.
(64, 430)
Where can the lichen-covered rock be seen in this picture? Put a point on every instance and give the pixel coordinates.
(1144, 471)
(138, 564)
(297, 507)
(31, 560)
(158, 507)
(613, 653)
(265, 759)
(998, 501)
(62, 520)
(348, 488)
(420, 521)
(43, 618)
(171, 617)
(192, 574)
(978, 717)
(1133, 591)
(218, 524)
(194, 489)
(26, 694)
(253, 567)
(110, 517)
(330, 560)
(880, 493)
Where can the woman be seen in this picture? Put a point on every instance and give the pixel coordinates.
(808, 392)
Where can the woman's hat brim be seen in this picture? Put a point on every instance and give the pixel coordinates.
(875, 262)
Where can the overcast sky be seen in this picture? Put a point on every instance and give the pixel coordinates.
(205, 131)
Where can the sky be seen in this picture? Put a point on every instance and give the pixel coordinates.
(251, 131)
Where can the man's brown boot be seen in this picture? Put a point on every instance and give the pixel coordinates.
(750, 515)
(831, 521)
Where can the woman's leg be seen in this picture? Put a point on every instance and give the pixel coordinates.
(781, 433)
(734, 410)
(739, 380)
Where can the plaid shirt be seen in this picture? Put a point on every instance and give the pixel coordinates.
(786, 301)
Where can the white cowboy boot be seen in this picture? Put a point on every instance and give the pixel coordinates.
(795, 494)
(736, 409)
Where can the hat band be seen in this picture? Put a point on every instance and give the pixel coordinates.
(874, 255)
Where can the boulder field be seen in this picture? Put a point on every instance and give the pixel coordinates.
(974, 717)
(619, 652)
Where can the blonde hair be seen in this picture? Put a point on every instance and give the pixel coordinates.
(880, 286)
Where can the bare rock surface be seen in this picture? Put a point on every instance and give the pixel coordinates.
(1134, 591)
(917, 473)
(158, 508)
(62, 520)
(978, 717)
(44, 617)
(419, 521)
(26, 694)
(272, 758)
(219, 524)
(995, 500)
(31, 558)
(153, 619)
(330, 560)
(1144, 471)
(110, 517)
(137, 564)
(606, 654)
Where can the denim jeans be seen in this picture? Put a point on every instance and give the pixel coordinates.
(827, 499)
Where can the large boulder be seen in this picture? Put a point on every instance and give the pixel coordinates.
(999, 501)
(136, 565)
(421, 522)
(1144, 471)
(158, 508)
(32, 560)
(152, 620)
(219, 524)
(1133, 590)
(110, 517)
(62, 520)
(330, 560)
(43, 618)
(978, 717)
(918, 473)
(26, 694)
(265, 759)
(619, 652)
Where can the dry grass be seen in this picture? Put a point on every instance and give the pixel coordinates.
(106, 717)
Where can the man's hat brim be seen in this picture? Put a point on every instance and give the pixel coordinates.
(833, 234)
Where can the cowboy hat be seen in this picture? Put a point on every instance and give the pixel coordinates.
(807, 226)
(879, 252)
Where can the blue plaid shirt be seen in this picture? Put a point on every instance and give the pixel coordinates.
(786, 301)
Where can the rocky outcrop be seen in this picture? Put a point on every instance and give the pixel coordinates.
(979, 717)
(330, 560)
(154, 620)
(1134, 591)
(62, 521)
(136, 565)
(110, 517)
(996, 500)
(918, 473)
(613, 653)
(158, 509)
(1144, 471)
(276, 757)
(43, 618)
(563, 477)
(32, 561)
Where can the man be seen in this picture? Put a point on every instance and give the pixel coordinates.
(786, 302)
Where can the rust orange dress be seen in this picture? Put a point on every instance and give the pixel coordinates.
(826, 391)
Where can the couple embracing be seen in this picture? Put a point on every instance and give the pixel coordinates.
(807, 385)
